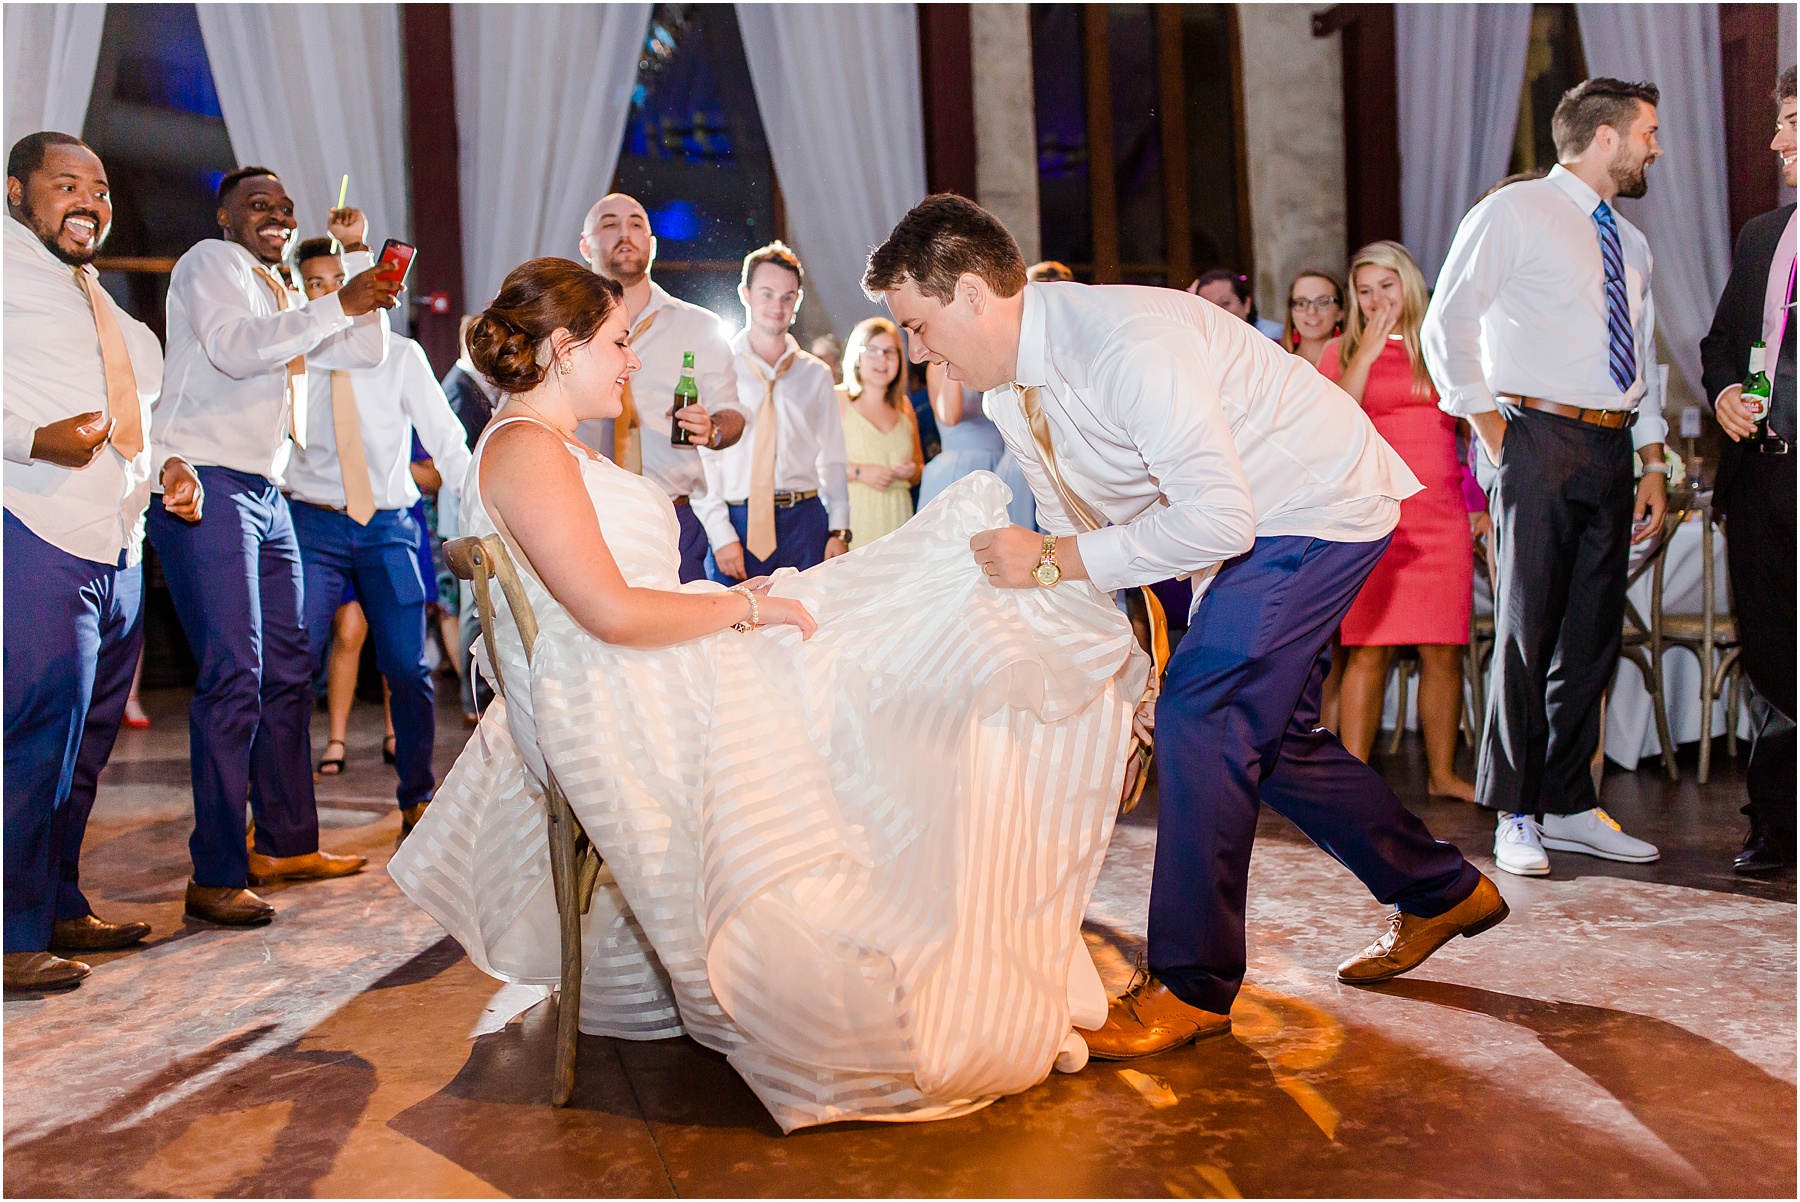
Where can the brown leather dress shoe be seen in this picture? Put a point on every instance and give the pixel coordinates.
(228, 906)
(315, 866)
(1410, 940)
(410, 816)
(41, 970)
(1149, 1019)
(91, 933)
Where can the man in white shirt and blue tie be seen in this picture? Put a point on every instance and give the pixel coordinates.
(1542, 334)
(350, 491)
(81, 376)
(234, 400)
(617, 243)
(1164, 437)
(781, 497)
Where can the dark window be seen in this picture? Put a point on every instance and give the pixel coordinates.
(1553, 64)
(695, 154)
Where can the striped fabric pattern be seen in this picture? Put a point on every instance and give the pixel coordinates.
(856, 865)
(1621, 353)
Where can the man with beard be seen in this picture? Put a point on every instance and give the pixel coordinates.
(616, 242)
(239, 341)
(1542, 334)
(1755, 492)
(81, 375)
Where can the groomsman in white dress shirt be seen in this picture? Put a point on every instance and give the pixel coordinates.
(235, 399)
(1542, 334)
(617, 243)
(1163, 437)
(781, 497)
(351, 491)
(81, 376)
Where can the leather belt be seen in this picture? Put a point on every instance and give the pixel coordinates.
(785, 500)
(1611, 419)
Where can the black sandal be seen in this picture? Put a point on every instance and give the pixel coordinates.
(333, 765)
(387, 750)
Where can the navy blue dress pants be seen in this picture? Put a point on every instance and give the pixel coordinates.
(800, 536)
(1238, 725)
(382, 559)
(694, 554)
(73, 632)
(235, 578)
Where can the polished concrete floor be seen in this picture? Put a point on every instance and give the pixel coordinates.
(1629, 1031)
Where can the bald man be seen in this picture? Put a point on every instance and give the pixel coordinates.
(617, 243)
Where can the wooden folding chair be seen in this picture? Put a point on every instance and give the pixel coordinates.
(574, 862)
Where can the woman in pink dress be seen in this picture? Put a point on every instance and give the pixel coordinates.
(1419, 593)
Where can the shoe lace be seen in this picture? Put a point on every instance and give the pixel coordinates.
(1603, 816)
(1517, 829)
(1384, 942)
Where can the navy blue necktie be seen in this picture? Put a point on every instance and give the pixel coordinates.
(1621, 353)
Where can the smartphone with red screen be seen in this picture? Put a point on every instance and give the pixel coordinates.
(396, 260)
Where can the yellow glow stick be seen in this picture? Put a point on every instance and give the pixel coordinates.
(343, 191)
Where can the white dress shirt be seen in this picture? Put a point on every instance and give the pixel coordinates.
(809, 444)
(1188, 430)
(392, 400)
(679, 327)
(53, 371)
(1520, 307)
(225, 403)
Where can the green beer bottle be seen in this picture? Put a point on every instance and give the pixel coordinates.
(1757, 391)
(686, 393)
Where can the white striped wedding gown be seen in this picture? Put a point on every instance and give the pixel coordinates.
(856, 865)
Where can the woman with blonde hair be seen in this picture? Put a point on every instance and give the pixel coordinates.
(881, 435)
(1315, 310)
(1419, 593)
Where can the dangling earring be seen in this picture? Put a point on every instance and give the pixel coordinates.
(564, 367)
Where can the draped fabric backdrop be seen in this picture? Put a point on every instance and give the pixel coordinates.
(313, 92)
(51, 53)
(1460, 68)
(542, 95)
(848, 142)
(1685, 215)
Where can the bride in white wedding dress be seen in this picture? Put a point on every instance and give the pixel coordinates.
(852, 858)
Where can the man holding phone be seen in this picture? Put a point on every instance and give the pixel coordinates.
(1542, 334)
(351, 491)
(235, 402)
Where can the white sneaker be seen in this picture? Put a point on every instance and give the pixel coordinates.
(1519, 848)
(1594, 833)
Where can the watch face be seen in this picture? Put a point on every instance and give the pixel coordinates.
(1047, 574)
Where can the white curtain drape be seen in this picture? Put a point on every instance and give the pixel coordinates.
(51, 53)
(542, 95)
(312, 92)
(1685, 215)
(848, 141)
(1459, 71)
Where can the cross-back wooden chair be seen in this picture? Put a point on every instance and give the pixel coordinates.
(1711, 635)
(1639, 641)
(574, 862)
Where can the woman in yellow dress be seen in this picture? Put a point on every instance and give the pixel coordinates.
(881, 435)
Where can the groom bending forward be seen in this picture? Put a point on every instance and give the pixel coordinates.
(1179, 440)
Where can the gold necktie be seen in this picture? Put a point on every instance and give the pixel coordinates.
(359, 497)
(122, 403)
(296, 367)
(1040, 434)
(760, 527)
(628, 451)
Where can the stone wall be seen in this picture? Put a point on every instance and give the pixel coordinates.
(1006, 178)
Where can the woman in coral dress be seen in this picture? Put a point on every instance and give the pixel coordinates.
(1419, 593)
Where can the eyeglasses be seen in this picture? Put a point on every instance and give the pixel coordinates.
(880, 352)
(1318, 304)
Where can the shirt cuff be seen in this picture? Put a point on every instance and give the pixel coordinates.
(20, 435)
(1462, 402)
(1104, 556)
(328, 311)
(1650, 428)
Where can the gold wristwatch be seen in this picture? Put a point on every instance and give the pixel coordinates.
(1048, 571)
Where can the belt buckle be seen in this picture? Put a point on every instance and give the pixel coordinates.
(1774, 446)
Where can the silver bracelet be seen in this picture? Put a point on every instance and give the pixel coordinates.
(755, 611)
(1663, 467)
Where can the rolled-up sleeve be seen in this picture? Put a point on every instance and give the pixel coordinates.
(1651, 426)
(1451, 333)
(1163, 392)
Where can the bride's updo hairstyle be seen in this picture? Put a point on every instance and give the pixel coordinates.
(510, 342)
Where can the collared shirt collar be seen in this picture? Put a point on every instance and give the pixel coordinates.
(18, 229)
(1032, 369)
(658, 298)
(1575, 188)
(740, 346)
